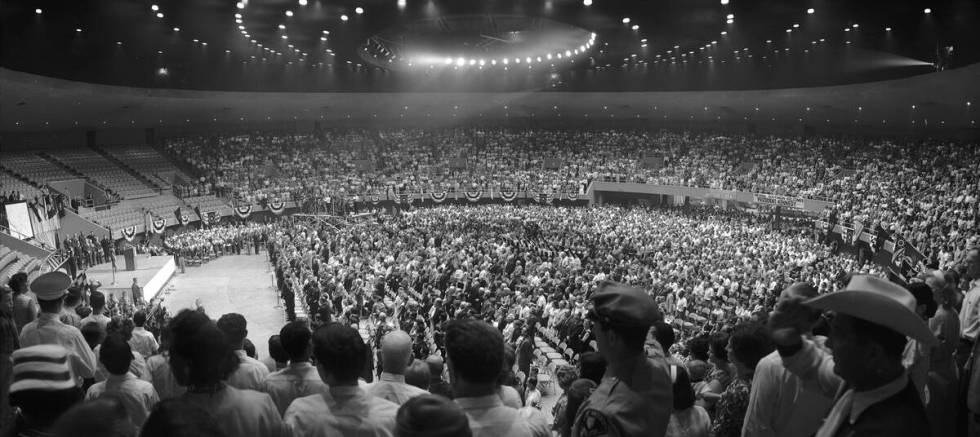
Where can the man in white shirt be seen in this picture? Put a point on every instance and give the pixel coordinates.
(50, 289)
(970, 313)
(396, 355)
(251, 373)
(345, 409)
(779, 403)
(97, 301)
(300, 378)
(142, 340)
(136, 395)
(475, 354)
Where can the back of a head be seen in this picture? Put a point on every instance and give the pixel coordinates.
(418, 374)
(698, 346)
(750, 342)
(120, 325)
(97, 301)
(139, 318)
(664, 334)
(924, 296)
(295, 339)
(176, 417)
(396, 352)
(93, 334)
(116, 355)
(102, 417)
(278, 353)
(475, 350)
(431, 416)
(592, 366)
(199, 352)
(18, 282)
(340, 350)
(234, 326)
(718, 343)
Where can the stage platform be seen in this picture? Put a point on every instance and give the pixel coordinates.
(152, 273)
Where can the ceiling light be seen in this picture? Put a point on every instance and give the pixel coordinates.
(281, 26)
(302, 2)
(888, 29)
(855, 25)
(493, 62)
(241, 27)
(448, 61)
(344, 17)
(548, 56)
(729, 21)
(587, 2)
(289, 13)
(159, 14)
(482, 62)
(240, 5)
(724, 2)
(796, 25)
(402, 3)
(460, 61)
(625, 20)
(724, 32)
(517, 60)
(810, 11)
(730, 16)
(528, 60)
(359, 10)
(636, 27)
(326, 32)
(154, 8)
(285, 37)
(118, 43)
(505, 61)
(926, 10)
(323, 38)
(78, 30)
(789, 30)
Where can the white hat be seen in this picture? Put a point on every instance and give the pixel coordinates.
(878, 301)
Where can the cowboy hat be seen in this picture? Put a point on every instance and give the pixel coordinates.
(878, 301)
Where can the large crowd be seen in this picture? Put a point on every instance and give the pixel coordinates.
(925, 190)
(457, 320)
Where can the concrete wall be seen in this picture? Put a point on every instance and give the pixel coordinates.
(72, 224)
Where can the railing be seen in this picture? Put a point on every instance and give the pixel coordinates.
(56, 259)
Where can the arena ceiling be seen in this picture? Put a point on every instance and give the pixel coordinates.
(486, 46)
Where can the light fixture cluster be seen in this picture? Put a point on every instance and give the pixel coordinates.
(529, 60)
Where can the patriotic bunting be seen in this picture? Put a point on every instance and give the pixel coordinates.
(277, 206)
(473, 196)
(159, 225)
(243, 211)
(508, 196)
(129, 232)
(438, 197)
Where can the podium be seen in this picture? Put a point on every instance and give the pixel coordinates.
(130, 255)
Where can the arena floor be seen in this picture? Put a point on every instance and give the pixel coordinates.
(231, 284)
(244, 284)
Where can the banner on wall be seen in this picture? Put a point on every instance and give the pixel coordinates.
(182, 219)
(508, 196)
(473, 196)
(774, 200)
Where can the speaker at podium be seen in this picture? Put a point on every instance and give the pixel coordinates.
(129, 254)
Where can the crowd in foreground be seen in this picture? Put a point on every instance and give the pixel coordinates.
(925, 190)
(425, 324)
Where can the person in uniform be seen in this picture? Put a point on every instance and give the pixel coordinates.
(635, 396)
(137, 293)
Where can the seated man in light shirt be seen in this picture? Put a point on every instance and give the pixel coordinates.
(300, 378)
(345, 408)
(396, 355)
(475, 354)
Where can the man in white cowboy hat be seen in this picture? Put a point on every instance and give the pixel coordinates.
(51, 289)
(871, 322)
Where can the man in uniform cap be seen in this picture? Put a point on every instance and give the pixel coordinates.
(50, 289)
(635, 396)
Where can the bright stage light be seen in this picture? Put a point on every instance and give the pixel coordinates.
(159, 14)
(587, 2)
(927, 10)
(724, 2)
(240, 5)
(289, 13)
(460, 62)
(505, 61)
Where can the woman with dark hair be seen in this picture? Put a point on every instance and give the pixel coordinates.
(177, 418)
(687, 419)
(431, 416)
(721, 374)
(25, 302)
(697, 364)
(748, 344)
(201, 358)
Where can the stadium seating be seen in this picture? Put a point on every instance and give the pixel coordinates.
(103, 171)
(149, 163)
(34, 167)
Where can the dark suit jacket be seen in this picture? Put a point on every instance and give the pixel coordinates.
(901, 415)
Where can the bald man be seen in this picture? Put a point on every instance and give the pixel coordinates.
(396, 355)
(778, 403)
